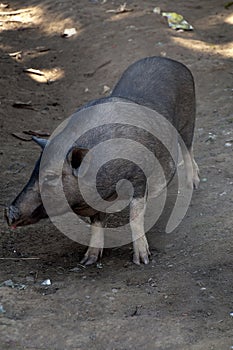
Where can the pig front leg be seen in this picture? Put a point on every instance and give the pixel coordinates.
(140, 244)
(96, 246)
(196, 171)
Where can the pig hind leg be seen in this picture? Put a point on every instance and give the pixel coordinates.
(95, 249)
(140, 244)
(191, 167)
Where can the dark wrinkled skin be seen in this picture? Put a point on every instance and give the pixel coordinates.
(158, 83)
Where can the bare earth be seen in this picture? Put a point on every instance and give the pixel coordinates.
(184, 297)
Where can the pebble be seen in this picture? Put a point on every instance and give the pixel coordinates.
(228, 144)
(46, 282)
(114, 290)
(2, 311)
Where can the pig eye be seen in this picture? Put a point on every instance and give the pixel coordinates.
(50, 178)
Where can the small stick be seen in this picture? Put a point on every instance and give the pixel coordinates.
(12, 13)
(33, 71)
(90, 74)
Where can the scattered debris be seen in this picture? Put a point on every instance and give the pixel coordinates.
(228, 4)
(33, 71)
(86, 89)
(106, 89)
(46, 283)
(120, 9)
(18, 54)
(175, 20)
(90, 74)
(11, 284)
(69, 32)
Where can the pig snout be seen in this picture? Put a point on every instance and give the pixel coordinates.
(12, 214)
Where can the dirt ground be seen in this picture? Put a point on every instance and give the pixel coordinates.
(184, 297)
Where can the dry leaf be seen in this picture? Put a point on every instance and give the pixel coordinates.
(69, 32)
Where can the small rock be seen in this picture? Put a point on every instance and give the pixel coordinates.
(46, 282)
(2, 310)
(99, 265)
(114, 290)
(157, 10)
(228, 144)
(222, 194)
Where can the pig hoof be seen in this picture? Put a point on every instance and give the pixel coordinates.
(142, 258)
(141, 251)
(196, 182)
(91, 256)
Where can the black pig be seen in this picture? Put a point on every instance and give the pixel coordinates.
(160, 84)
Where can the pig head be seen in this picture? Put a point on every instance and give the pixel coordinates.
(27, 208)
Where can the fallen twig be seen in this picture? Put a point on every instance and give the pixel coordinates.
(33, 71)
(90, 74)
(37, 49)
(19, 104)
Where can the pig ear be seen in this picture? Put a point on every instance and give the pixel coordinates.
(76, 156)
(41, 142)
